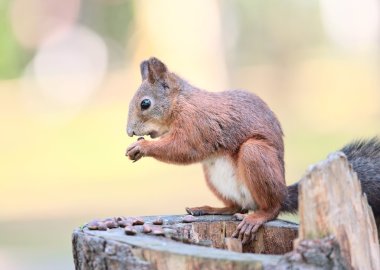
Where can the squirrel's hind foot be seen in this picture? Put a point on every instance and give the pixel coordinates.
(247, 229)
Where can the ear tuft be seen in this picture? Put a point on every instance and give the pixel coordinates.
(144, 69)
(157, 70)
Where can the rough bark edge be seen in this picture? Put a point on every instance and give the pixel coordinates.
(332, 203)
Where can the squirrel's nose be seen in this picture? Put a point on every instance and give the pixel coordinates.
(130, 132)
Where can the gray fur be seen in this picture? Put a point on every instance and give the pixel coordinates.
(364, 156)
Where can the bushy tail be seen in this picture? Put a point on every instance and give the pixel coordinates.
(364, 156)
(290, 205)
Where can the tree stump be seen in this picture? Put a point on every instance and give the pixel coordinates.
(181, 246)
(331, 202)
(337, 232)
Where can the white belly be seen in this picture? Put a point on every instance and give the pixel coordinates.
(223, 176)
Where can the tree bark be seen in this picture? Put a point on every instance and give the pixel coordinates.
(331, 202)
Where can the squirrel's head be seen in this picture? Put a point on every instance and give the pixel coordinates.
(150, 107)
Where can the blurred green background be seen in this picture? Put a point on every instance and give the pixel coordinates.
(69, 68)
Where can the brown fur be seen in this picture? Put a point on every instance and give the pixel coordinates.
(196, 125)
(263, 174)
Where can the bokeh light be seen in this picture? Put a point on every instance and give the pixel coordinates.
(71, 69)
(35, 20)
(64, 73)
(352, 24)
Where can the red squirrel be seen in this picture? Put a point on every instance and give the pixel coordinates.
(234, 134)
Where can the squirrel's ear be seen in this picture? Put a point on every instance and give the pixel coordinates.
(156, 70)
(144, 69)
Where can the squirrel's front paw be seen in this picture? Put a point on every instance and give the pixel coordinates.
(136, 150)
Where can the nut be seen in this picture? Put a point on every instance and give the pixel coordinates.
(189, 219)
(102, 226)
(146, 228)
(129, 230)
(122, 223)
(158, 221)
(93, 225)
(120, 218)
(111, 224)
(138, 221)
(125, 221)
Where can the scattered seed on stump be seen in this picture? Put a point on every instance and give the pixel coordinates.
(129, 230)
(93, 225)
(138, 221)
(147, 228)
(120, 218)
(122, 223)
(158, 221)
(189, 219)
(111, 224)
(102, 226)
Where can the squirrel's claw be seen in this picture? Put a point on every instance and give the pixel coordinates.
(239, 216)
(138, 156)
(194, 211)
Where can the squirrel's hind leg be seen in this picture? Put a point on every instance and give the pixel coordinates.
(261, 169)
(208, 210)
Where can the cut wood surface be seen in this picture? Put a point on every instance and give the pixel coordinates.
(331, 203)
(113, 249)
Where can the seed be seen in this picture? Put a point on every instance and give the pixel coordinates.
(102, 226)
(158, 221)
(121, 223)
(189, 219)
(111, 224)
(146, 228)
(129, 230)
(120, 218)
(138, 221)
(93, 225)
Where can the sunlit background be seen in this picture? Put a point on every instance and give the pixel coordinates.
(69, 68)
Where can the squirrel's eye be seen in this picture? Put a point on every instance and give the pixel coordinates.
(145, 104)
